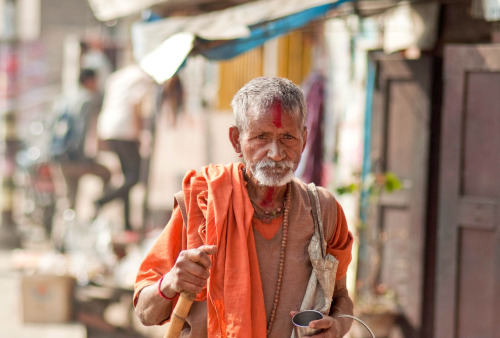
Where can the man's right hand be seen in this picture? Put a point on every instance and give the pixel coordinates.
(190, 272)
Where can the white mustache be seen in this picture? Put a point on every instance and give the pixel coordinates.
(270, 164)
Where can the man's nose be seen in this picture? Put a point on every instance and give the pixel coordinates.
(275, 151)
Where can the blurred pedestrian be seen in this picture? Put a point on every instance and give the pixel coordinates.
(92, 56)
(76, 116)
(120, 127)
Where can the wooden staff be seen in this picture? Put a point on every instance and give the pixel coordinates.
(179, 314)
(181, 310)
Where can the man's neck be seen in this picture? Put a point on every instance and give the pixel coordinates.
(265, 197)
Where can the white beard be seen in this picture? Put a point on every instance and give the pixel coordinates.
(266, 174)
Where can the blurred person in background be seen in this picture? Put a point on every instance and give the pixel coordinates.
(92, 56)
(73, 142)
(120, 127)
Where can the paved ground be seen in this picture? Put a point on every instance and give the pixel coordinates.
(11, 322)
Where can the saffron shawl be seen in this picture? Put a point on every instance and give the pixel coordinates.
(220, 213)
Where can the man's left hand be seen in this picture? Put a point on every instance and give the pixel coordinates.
(328, 325)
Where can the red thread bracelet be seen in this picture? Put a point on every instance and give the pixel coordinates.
(161, 293)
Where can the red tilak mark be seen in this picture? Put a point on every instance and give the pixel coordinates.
(277, 115)
(266, 202)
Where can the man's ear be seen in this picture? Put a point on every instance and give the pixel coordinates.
(304, 138)
(234, 138)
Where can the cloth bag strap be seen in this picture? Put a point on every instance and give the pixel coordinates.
(319, 291)
(316, 211)
(179, 199)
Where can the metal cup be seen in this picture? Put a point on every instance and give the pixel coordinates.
(301, 322)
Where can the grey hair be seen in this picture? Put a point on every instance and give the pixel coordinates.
(260, 94)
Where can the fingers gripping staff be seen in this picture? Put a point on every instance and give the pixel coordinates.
(186, 298)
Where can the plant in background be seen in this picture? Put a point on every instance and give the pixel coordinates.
(374, 299)
(375, 184)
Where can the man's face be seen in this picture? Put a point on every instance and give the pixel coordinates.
(91, 84)
(272, 146)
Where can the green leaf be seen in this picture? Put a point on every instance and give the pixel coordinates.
(348, 189)
(392, 182)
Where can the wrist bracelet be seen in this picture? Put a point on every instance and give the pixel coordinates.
(161, 293)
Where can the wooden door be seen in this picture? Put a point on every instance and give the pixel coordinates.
(468, 249)
(400, 143)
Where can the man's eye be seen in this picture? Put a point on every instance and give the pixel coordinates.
(288, 137)
(261, 137)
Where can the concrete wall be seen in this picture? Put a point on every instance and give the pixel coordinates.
(194, 142)
(59, 20)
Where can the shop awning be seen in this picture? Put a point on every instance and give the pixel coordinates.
(162, 46)
(105, 10)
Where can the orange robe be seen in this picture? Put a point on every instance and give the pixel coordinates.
(220, 213)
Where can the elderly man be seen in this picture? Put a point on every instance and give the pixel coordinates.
(244, 247)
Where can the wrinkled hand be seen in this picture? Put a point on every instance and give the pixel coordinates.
(328, 324)
(190, 272)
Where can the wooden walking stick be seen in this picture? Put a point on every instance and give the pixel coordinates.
(179, 314)
(186, 299)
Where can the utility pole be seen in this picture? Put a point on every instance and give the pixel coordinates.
(9, 143)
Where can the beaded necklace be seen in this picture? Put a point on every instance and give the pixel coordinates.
(267, 215)
(282, 258)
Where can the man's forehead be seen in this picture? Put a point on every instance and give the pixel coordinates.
(271, 112)
(274, 117)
